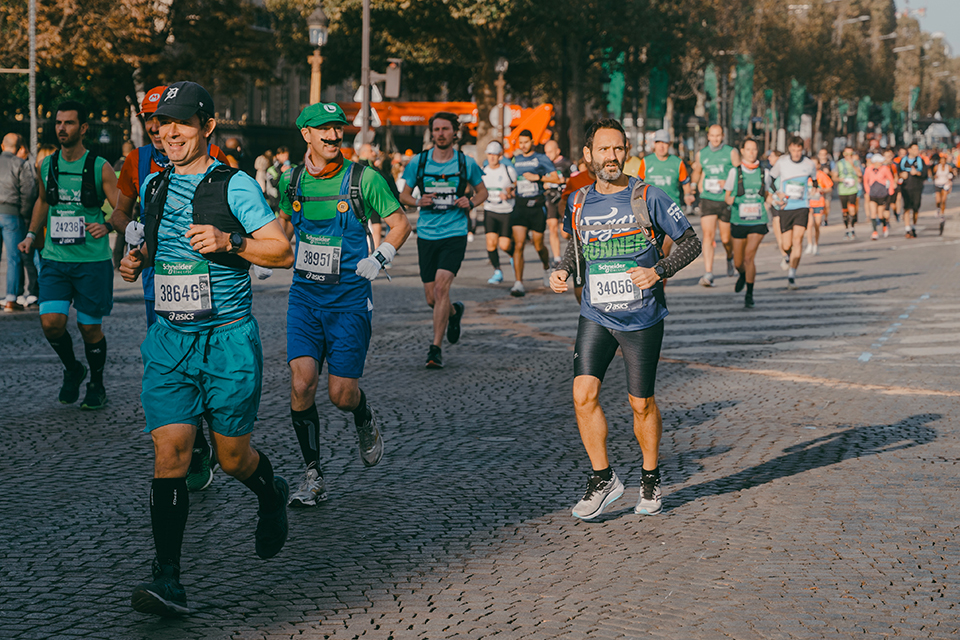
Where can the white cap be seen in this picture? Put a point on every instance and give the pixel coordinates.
(662, 136)
(876, 157)
(494, 147)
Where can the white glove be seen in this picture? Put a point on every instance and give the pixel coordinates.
(134, 234)
(262, 272)
(370, 266)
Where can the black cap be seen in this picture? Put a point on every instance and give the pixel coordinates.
(181, 100)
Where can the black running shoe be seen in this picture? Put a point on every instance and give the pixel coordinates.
(96, 397)
(942, 223)
(453, 325)
(70, 389)
(748, 301)
(272, 527)
(434, 358)
(741, 282)
(164, 596)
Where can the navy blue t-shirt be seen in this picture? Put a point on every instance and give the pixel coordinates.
(608, 297)
(536, 163)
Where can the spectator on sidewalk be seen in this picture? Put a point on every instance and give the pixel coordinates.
(17, 193)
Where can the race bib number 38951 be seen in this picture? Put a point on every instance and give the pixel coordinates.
(183, 290)
(318, 258)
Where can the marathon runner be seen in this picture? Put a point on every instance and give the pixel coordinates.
(529, 212)
(554, 191)
(746, 192)
(794, 177)
(667, 172)
(138, 164)
(849, 176)
(710, 171)
(879, 187)
(328, 200)
(818, 207)
(442, 175)
(829, 167)
(914, 171)
(77, 264)
(943, 175)
(500, 180)
(203, 355)
(618, 225)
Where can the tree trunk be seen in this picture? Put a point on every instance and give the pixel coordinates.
(575, 107)
(485, 97)
(817, 136)
(137, 134)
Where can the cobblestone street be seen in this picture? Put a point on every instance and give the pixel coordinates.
(810, 463)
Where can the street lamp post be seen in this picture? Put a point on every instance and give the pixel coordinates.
(501, 84)
(365, 75)
(317, 26)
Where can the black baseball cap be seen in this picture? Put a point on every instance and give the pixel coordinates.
(181, 100)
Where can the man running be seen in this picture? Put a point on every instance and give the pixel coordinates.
(500, 180)
(795, 179)
(203, 355)
(746, 193)
(914, 171)
(77, 265)
(667, 172)
(529, 212)
(710, 171)
(442, 175)
(818, 207)
(943, 175)
(828, 166)
(330, 309)
(849, 175)
(618, 225)
(554, 193)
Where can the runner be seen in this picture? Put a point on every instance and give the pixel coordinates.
(829, 167)
(140, 163)
(878, 187)
(710, 170)
(622, 306)
(203, 356)
(442, 175)
(914, 171)
(76, 265)
(890, 163)
(943, 175)
(501, 182)
(328, 200)
(850, 175)
(818, 207)
(667, 172)
(794, 177)
(746, 192)
(529, 212)
(553, 194)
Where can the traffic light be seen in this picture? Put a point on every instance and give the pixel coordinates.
(392, 87)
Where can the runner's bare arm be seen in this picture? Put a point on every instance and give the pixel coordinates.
(268, 247)
(399, 228)
(109, 178)
(407, 198)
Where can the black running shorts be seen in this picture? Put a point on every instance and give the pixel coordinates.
(793, 218)
(911, 199)
(741, 231)
(530, 214)
(446, 253)
(846, 201)
(498, 223)
(717, 208)
(596, 346)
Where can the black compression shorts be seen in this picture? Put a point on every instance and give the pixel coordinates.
(596, 346)
(498, 223)
(717, 208)
(846, 201)
(911, 199)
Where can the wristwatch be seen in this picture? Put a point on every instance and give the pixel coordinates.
(659, 270)
(236, 242)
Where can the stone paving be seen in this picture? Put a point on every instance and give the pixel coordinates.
(809, 457)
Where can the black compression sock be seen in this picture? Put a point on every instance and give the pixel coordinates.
(261, 483)
(64, 348)
(494, 259)
(749, 288)
(169, 505)
(97, 359)
(653, 475)
(361, 412)
(307, 425)
(604, 474)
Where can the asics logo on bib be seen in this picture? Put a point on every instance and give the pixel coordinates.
(619, 306)
(180, 317)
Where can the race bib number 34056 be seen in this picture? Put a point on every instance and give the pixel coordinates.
(183, 290)
(610, 284)
(318, 258)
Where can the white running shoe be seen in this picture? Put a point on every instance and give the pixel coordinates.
(731, 270)
(816, 249)
(546, 278)
(312, 490)
(707, 280)
(598, 496)
(650, 502)
(517, 290)
(809, 250)
(784, 265)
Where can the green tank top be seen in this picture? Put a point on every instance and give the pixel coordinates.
(749, 208)
(849, 183)
(67, 238)
(716, 167)
(664, 174)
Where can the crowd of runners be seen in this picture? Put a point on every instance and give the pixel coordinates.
(193, 225)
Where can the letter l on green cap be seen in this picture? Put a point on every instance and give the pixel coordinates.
(320, 114)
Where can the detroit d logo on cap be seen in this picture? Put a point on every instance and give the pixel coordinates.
(172, 93)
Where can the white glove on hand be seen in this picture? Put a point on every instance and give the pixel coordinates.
(134, 234)
(262, 272)
(370, 266)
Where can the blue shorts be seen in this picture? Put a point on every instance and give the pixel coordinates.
(216, 373)
(149, 296)
(88, 285)
(339, 337)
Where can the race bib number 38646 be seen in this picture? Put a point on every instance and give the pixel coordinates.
(183, 290)
(318, 258)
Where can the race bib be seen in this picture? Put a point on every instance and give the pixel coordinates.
(444, 194)
(713, 185)
(611, 286)
(318, 258)
(183, 290)
(68, 230)
(849, 182)
(661, 181)
(793, 190)
(527, 188)
(750, 211)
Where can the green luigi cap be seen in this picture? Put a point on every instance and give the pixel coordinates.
(319, 114)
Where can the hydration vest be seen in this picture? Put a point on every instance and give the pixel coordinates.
(88, 182)
(354, 194)
(740, 189)
(210, 206)
(461, 172)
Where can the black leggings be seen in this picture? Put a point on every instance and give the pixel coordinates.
(596, 346)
